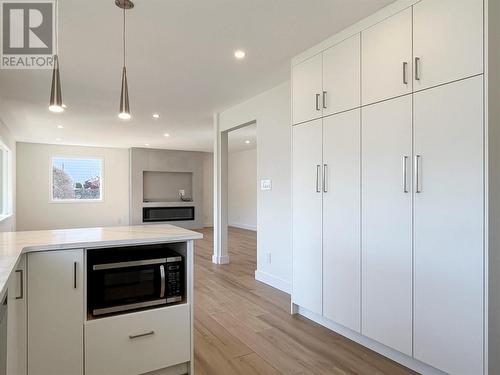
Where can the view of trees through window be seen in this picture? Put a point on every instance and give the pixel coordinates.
(76, 178)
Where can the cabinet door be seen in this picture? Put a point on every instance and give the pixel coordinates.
(307, 89)
(387, 58)
(449, 223)
(386, 223)
(341, 219)
(306, 217)
(55, 313)
(447, 40)
(342, 76)
(16, 327)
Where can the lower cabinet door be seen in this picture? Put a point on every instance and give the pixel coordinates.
(306, 216)
(55, 313)
(138, 343)
(387, 223)
(16, 324)
(341, 219)
(449, 226)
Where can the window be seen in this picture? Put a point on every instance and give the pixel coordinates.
(76, 179)
(5, 181)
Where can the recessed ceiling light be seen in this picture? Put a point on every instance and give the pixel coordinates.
(247, 142)
(239, 54)
(166, 135)
(60, 126)
(146, 144)
(156, 115)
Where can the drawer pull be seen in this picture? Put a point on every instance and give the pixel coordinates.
(150, 333)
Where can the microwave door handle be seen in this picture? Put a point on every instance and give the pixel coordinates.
(162, 281)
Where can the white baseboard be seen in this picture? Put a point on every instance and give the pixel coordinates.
(243, 226)
(220, 259)
(273, 281)
(396, 356)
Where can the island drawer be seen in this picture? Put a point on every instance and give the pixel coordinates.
(139, 342)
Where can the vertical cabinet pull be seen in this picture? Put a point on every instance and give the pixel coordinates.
(325, 178)
(405, 69)
(418, 188)
(318, 173)
(405, 174)
(75, 265)
(324, 99)
(417, 68)
(317, 102)
(21, 284)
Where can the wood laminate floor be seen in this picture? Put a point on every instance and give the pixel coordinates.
(244, 327)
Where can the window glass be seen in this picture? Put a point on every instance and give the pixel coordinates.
(76, 179)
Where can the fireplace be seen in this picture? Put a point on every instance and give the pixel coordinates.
(177, 213)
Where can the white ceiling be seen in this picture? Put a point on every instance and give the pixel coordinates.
(180, 64)
(237, 139)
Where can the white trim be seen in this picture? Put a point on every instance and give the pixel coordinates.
(396, 356)
(7, 183)
(76, 157)
(274, 281)
(224, 259)
(243, 226)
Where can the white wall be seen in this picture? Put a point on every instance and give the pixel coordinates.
(494, 184)
(9, 224)
(271, 111)
(34, 210)
(242, 189)
(208, 190)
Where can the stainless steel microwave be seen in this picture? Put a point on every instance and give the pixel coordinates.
(131, 278)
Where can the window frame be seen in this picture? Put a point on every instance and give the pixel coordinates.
(6, 187)
(75, 157)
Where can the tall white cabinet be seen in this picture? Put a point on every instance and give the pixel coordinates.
(449, 226)
(341, 219)
(389, 204)
(386, 222)
(307, 227)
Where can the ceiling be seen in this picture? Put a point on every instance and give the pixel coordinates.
(242, 139)
(180, 64)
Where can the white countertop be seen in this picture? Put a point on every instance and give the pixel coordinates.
(13, 244)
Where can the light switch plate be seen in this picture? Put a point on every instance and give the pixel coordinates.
(266, 185)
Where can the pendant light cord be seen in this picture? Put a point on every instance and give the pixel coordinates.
(124, 31)
(57, 27)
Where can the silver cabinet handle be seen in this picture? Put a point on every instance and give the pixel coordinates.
(418, 188)
(417, 68)
(325, 178)
(75, 265)
(21, 283)
(317, 102)
(324, 99)
(405, 173)
(150, 333)
(405, 69)
(318, 173)
(162, 277)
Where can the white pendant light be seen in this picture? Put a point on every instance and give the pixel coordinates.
(56, 103)
(124, 113)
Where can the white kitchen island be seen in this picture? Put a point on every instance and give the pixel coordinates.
(49, 330)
